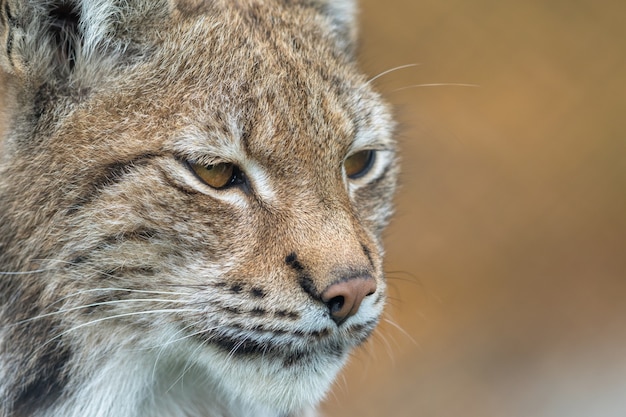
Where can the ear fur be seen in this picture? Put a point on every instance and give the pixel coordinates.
(343, 14)
(40, 37)
(53, 40)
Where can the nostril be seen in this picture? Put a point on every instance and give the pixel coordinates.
(343, 298)
(336, 304)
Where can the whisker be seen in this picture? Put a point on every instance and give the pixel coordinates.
(402, 331)
(187, 367)
(382, 74)
(434, 85)
(194, 286)
(82, 307)
(170, 341)
(136, 313)
(90, 268)
(368, 347)
(35, 271)
(342, 384)
(232, 352)
(394, 299)
(190, 335)
(116, 289)
(388, 348)
(404, 276)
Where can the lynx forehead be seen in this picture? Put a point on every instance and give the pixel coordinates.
(192, 196)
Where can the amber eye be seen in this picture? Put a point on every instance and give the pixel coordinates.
(218, 175)
(359, 163)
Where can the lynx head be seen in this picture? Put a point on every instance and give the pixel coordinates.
(192, 195)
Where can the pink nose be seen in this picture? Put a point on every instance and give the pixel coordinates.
(344, 297)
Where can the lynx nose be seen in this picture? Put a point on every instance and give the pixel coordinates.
(344, 297)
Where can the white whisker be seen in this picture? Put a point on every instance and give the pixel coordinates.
(116, 289)
(187, 366)
(36, 271)
(371, 80)
(82, 307)
(401, 330)
(170, 341)
(136, 313)
(232, 352)
(435, 85)
(388, 348)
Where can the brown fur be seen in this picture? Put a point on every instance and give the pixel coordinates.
(97, 206)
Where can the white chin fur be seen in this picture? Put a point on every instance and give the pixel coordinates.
(268, 382)
(196, 380)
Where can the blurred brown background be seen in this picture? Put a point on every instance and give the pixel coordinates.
(507, 257)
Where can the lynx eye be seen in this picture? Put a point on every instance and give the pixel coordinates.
(218, 176)
(359, 164)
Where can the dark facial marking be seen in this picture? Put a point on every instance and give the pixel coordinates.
(336, 350)
(257, 292)
(9, 45)
(292, 261)
(77, 260)
(305, 281)
(379, 298)
(232, 310)
(308, 286)
(368, 254)
(245, 346)
(44, 376)
(139, 234)
(292, 359)
(235, 346)
(287, 314)
(107, 176)
(180, 187)
(258, 312)
(321, 333)
(362, 332)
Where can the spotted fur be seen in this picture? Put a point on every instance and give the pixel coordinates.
(130, 288)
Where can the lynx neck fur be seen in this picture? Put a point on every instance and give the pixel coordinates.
(192, 196)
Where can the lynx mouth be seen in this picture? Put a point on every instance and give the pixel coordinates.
(289, 355)
(290, 347)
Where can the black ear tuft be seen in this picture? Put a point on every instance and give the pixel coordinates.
(41, 38)
(63, 19)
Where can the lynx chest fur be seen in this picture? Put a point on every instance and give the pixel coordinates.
(192, 195)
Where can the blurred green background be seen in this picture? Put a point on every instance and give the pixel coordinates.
(507, 257)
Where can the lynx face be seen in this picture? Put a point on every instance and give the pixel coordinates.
(192, 196)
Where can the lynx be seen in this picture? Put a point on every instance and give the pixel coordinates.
(192, 196)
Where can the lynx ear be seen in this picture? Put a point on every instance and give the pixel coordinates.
(343, 14)
(45, 39)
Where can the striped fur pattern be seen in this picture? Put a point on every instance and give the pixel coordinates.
(128, 286)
